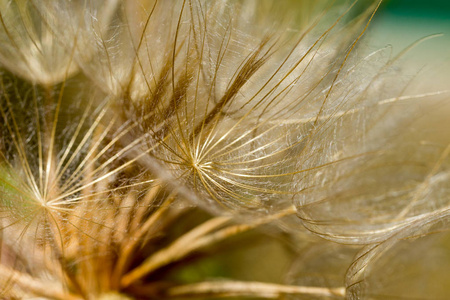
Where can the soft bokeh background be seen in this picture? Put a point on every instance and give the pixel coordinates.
(402, 22)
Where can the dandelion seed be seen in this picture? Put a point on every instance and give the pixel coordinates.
(32, 45)
(53, 178)
(415, 257)
(219, 105)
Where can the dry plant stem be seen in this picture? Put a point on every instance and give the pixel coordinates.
(37, 287)
(196, 239)
(142, 208)
(177, 250)
(133, 241)
(249, 289)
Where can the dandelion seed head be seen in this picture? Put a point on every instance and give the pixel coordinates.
(218, 109)
(199, 108)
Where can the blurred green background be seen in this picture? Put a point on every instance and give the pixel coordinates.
(402, 22)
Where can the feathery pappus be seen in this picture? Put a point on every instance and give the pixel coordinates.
(146, 144)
